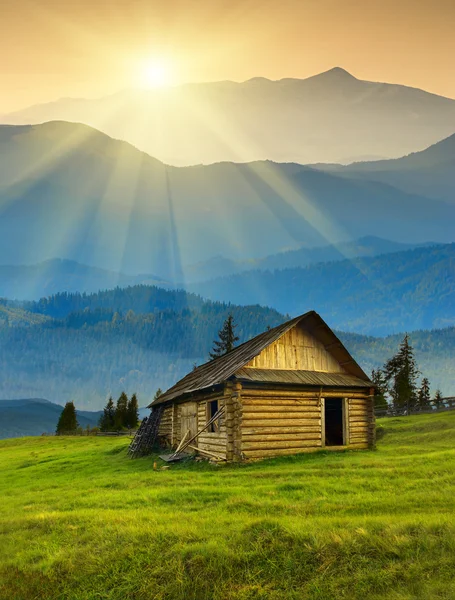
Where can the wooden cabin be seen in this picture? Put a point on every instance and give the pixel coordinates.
(291, 389)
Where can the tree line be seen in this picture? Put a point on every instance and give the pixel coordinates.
(124, 414)
(399, 386)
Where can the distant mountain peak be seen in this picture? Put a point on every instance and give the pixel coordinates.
(337, 72)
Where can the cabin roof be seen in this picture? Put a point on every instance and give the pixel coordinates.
(220, 369)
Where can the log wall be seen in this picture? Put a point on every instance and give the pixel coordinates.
(166, 426)
(260, 423)
(274, 425)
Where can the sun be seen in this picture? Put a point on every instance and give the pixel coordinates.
(155, 73)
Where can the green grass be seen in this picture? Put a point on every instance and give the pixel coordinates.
(79, 520)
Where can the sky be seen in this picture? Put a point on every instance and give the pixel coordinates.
(87, 48)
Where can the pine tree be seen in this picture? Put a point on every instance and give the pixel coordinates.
(121, 412)
(67, 422)
(400, 374)
(226, 339)
(107, 419)
(158, 393)
(438, 401)
(132, 417)
(423, 396)
(380, 401)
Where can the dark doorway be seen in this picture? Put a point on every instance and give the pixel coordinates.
(333, 413)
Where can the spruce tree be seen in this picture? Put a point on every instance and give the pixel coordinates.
(226, 339)
(400, 374)
(423, 396)
(121, 412)
(132, 417)
(380, 401)
(158, 393)
(67, 422)
(107, 419)
(438, 402)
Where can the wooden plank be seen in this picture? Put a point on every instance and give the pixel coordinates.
(345, 409)
(322, 422)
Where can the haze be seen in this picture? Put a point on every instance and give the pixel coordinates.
(52, 49)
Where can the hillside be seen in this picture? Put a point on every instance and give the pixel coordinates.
(141, 338)
(330, 117)
(365, 246)
(430, 172)
(34, 416)
(73, 192)
(323, 526)
(376, 296)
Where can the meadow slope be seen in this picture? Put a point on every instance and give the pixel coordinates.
(79, 520)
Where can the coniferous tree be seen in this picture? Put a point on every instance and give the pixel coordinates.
(158, 393)
(132, 417)
(438, 402)
(107, 419)
(380, 401)
(226, 339)
(423, 395)
(67, 422)
(121, 412)
(400, 374)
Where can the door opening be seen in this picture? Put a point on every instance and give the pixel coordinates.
(333, 413)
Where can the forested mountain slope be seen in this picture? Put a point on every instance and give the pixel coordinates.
(142, 338)
(34, 416)
(430, 172)
(378, 296)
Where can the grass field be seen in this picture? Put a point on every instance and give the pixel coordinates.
(81, 521)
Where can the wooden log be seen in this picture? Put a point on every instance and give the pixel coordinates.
(279, 445)
(281, 422)
(247, 431)
(281, 437)
(279, 402)
(281, 415)
(278, 452)
(327, 392)
(358, 413)
(250, 412)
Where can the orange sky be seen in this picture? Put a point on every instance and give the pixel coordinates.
(55, 48)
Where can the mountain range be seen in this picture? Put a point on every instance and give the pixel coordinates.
(430, 172)
(34, 416)
(32, 282)
(140, 338)
(69, 191)
(330, 117)
(381, 295)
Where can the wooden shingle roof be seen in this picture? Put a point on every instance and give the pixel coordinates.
(220, 369)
